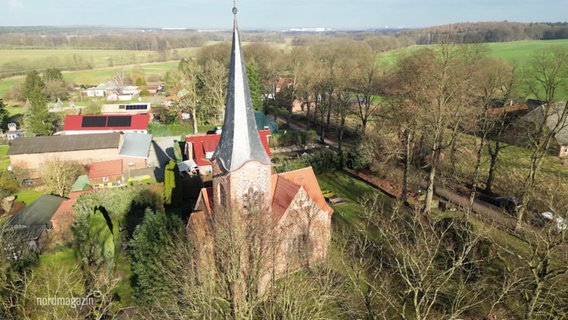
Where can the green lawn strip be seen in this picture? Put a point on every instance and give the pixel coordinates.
(352, 190)
(4, 159)
(28, 195)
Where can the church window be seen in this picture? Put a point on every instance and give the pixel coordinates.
(251, 199)
(222, 196)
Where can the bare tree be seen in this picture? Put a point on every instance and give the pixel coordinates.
(494, 82)
(430, 267)
(59, 176)
(546, 78)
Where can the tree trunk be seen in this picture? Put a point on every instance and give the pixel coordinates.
(493, 154)
(308, 106)
(194, 118)
(406, 164)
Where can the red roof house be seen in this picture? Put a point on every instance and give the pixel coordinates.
(84, 124)
(201, 148)
(106, 171)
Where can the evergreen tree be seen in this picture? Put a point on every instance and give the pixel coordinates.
(154, 237)
(3, 113)
(253, 76)
(38, 119)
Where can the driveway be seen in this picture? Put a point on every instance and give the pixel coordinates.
(161, 151)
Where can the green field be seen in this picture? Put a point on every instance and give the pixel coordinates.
(518, 52)
(94, 77)
(521, 52)
(18, 60)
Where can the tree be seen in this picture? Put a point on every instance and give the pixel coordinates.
(59, 176)
(438, 82)
(3, 114)
(214, 81)
(494, 82)
(429, 268)
(187, 98)
(545, 78)
(38, 119)
(155, 237)
(253, 77)
(365, 86)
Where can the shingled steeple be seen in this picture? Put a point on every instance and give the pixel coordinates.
(239, 141)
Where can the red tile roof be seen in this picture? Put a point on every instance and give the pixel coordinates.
(65, 215)
(283, 193)
(111, 168)
(137, 122)
(208, 143)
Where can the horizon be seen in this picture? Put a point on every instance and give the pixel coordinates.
(331, 14)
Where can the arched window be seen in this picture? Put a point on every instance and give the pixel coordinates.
(222, 196)
(252, 199)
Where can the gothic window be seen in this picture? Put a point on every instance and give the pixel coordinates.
(300, 248)
(222, 196)
(251, 199)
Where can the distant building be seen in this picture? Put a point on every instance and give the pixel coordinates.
(128, 108)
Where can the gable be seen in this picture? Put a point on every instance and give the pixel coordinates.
(104, 169)
(306, 179)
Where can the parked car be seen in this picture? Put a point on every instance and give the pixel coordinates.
(543, 219)
(511, 204)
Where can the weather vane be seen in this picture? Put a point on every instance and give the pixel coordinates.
(235, 10)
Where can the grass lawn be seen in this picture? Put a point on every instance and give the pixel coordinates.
(350, 189)
(4, 159)
(520, 52)
(517, 52)
(28, 195)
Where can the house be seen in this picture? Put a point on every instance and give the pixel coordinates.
(31, 225)
(112, 91)
(135, 150)
(200, 148)
(13, 131)
(96, 92)
(289, 207)
(129, 108)
(64, 217)
(555, 117)
(88, 124)
(106, 173)
(32, 153)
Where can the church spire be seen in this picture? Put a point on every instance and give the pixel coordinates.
(239, 140)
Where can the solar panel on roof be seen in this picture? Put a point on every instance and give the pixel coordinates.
(137, 107)
(119, 121)
(94, 122)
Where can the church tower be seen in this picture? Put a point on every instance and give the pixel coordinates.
(241, 167)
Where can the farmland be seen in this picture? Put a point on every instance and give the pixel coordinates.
(95, 66)
(518, 52)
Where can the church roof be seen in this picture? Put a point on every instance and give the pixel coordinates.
(286, 185)
(239, 141)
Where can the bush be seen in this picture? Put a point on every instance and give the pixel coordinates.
(293, 138)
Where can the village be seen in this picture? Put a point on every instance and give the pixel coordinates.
(326, 180)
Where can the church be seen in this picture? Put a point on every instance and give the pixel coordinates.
(283, 216)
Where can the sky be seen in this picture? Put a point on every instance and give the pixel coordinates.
(276, 14)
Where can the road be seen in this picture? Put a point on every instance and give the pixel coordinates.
(481, 209)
